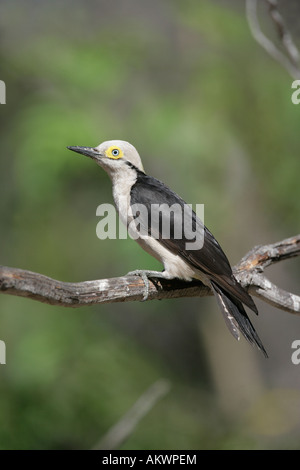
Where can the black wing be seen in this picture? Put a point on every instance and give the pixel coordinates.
(210, 259)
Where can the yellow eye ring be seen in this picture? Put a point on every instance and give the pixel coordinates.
(114, 152)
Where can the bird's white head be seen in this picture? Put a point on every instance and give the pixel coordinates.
(112, 155)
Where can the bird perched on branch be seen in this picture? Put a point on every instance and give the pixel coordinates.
(146, 206)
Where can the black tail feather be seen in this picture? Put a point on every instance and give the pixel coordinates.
(236, 317)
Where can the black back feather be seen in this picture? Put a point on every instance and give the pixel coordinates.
(210, 259)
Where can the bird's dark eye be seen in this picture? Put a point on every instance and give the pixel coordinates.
(115, 152)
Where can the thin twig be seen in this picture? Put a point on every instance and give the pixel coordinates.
(284, 34)
(264, 288)
(289, 62)
(116, 435)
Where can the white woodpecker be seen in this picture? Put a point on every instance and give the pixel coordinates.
(135, 195)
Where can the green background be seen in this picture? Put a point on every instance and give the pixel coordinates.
(211, 115)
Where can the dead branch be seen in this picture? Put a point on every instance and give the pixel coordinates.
(120, 432)
(289, 60)
(249, 272)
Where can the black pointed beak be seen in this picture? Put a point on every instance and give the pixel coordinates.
(88, 151)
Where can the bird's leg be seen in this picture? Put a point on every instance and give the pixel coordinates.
(145, 275)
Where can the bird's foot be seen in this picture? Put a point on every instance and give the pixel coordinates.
(146, 275)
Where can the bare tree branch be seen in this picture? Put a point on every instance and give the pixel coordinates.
(264, 288)
(116, 435)
(260, 257)
(35, 286)
(285, 37)
(249, 271)
(290, 61)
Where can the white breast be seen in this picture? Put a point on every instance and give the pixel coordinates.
(175, 267)
(122, 183)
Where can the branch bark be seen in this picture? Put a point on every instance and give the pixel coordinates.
(249, 272)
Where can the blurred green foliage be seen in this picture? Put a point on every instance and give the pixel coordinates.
(211, 116)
